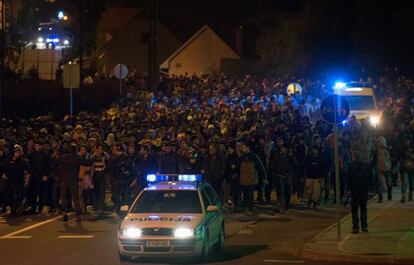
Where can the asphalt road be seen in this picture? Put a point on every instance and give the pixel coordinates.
(261, 239)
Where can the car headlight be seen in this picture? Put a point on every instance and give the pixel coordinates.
(183, 232)
(374, 121)
(132, 233)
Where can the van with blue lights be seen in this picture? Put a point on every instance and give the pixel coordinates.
(176, 215)
(361, 100)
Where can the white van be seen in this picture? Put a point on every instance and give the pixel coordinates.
(361, 100)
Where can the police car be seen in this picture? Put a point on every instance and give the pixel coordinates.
(176, 215)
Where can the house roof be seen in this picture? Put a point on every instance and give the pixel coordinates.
(114, 19)
(190, 40)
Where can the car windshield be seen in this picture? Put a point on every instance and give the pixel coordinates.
(167, 201)
(360, 102)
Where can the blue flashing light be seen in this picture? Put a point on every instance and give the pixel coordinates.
(151, 178)
(189, 177)
(344, 122)
(339, 85)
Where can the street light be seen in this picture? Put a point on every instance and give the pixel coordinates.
(60, 15)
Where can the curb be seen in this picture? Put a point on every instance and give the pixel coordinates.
(307, 252)
(314, 255)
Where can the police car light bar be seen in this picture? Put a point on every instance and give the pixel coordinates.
(182, 177)
(339, 85)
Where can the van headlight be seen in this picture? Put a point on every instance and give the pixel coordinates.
(374, 120)
(183, 232)
(132, 233)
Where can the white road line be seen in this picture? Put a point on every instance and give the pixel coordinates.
(283, 261)
(31, 227)
(76, 237)
(16, 237)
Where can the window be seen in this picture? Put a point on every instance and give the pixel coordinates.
(168, 201)
(360, 102)
(206, 199)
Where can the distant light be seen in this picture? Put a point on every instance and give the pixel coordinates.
(61, 15)
(40, 39)
(344, 122)
(39, 29)
(55, 40)
(50, 29)
(66, 42)
(353, 89)
(374, 121)
(339, 85)
(65, 18)
(151, 178)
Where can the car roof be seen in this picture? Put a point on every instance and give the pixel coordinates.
(174, 185)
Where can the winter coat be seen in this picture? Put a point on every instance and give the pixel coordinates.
(168, 163)
(251, 169)
(315, 167)
(383, 159)
(68, 164)
(214, 168)
(358, 176)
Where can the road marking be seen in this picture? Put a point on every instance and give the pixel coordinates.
(244, 232)
(76, 237)
(283, 261)
(341, 244)
(16, 237)
(13, 234)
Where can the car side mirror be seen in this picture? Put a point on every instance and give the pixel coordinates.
(124, 208)
(212, 208)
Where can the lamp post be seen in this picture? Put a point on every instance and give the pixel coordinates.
(3, 50)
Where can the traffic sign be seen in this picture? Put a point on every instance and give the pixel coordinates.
(71, 75)
(293, 88)
(120, 71)
(334, 109)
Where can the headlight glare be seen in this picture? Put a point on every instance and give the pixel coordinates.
(183, 232)
(374, 121)
(132, 232)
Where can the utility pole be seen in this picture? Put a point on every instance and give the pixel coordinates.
(154, 67)
(3, 56)
(81, 11)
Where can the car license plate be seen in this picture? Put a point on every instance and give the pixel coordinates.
(158, 244)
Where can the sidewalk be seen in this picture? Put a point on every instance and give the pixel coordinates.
(390, 239)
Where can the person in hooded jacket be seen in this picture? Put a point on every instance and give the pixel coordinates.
(358, 176)
(15, 171)
(69, 164)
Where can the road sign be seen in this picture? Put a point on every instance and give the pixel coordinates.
(71, 76)
(293, 88)
(334, 109)
(120, 71)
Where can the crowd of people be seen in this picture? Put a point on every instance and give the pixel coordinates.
(244, 135)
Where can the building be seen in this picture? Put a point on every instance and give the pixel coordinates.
(123, 37)
(45, 62)
(203, 53)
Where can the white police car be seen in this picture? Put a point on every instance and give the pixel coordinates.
(176, 215)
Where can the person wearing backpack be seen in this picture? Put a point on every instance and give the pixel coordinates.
(383, 168)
